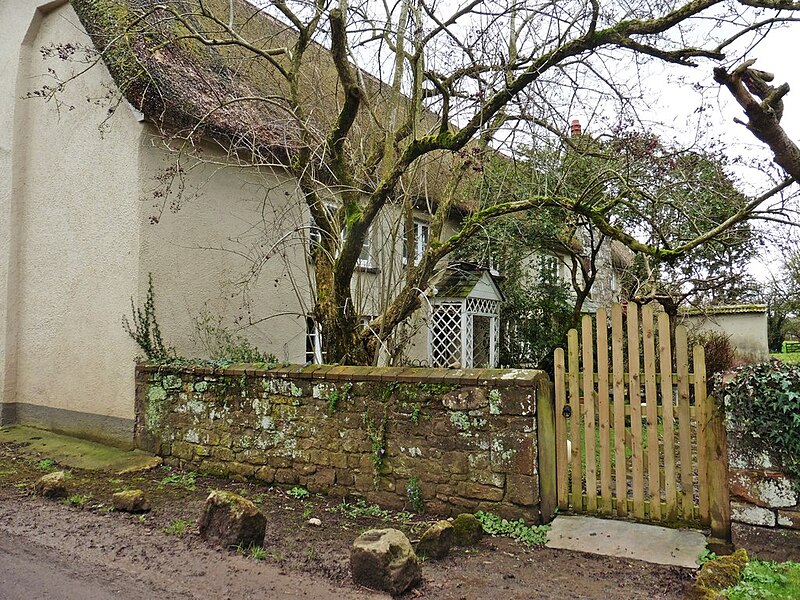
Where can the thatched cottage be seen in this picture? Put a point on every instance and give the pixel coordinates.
(93, 201)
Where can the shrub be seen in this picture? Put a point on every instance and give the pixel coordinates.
(720, 353)
(763, 405)
(223, 345)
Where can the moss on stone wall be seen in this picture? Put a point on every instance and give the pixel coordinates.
(465, 445)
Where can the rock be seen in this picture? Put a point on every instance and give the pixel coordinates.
(467, 530)
(230, 520)
(315, 522)
(765, 489)
(752, 515)
(383, 559)
(132, 501)
(146, 465)
(52, 485)
(436, 541)
(720, 573)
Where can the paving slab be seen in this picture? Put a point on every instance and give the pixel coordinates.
(77, 453)
(650, 543)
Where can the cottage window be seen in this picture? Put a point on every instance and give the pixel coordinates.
(421, 236)
(315, 238)
(314, 352)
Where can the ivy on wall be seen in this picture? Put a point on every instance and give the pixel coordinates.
(762, 404)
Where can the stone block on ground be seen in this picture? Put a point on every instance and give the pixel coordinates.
(436, 541)
(132, 501)
(52, 485)
(383, 559)
(230, 520)
(467, 530)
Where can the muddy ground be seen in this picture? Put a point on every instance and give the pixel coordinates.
(106, 554)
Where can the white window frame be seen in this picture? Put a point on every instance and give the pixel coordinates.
(420, 241)
(314, 354)
(315, 237)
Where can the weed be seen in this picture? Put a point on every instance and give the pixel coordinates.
(185, 480)
(307, 514)
(142, 519)
(225, 346)
(145, 330)
(78, 500)
(376, 432)
(337, 395)
(492, 524)
(416, 411)
(177, 527)
(253, 551)
(46, 464)
(7, 472)
(360, 508)
(414, 494)
(298, 493)
(705, 556)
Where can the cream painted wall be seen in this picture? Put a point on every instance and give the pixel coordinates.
(76, 236)
(20, 19)
(230, 221)
(747, 330)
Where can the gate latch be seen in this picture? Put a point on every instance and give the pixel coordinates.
(567, 411)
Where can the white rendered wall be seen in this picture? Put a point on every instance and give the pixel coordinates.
(74, 237)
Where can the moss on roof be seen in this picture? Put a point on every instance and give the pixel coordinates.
(725, 310)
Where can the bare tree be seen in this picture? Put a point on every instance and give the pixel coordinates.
(373, 105)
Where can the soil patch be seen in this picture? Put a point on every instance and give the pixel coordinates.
(163, 553)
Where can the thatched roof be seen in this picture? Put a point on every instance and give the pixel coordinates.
(228, 93)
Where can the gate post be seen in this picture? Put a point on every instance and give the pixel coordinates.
(546, 448)
(719, 504)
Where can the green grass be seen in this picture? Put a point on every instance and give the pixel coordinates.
(787, 357)
(763, 580)
(254, 551)
(78, 500)
(177, 527)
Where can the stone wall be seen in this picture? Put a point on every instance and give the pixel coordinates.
(467, 437)
(760, 493)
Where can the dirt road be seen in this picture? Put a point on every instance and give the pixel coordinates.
(50, 552)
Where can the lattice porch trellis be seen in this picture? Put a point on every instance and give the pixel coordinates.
(464, 332)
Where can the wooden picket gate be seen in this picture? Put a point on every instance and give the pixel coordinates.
(643, 422)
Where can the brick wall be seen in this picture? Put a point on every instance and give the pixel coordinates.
(468, 437)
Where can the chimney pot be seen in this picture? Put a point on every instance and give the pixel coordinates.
(575, 127)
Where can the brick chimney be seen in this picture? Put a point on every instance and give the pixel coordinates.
(575, 128)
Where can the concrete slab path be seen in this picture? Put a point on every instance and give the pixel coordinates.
(75, 453)
(659, 545)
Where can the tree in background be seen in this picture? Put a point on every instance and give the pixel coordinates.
(782, 297)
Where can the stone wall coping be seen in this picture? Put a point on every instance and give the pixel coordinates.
(480, 377)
